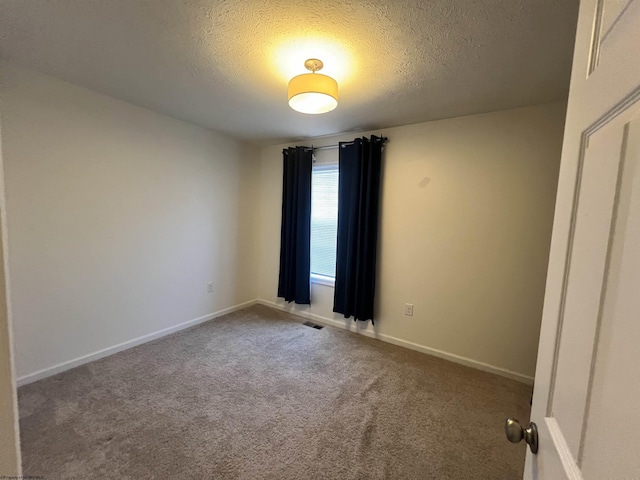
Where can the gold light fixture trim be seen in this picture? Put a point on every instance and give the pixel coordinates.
(313, 92)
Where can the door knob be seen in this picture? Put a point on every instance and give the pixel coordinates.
(515, 433)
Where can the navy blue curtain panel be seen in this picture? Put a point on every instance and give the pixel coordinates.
(295, 234)
(358, 198)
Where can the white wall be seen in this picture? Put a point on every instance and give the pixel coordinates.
(466, 215)
(9, 436)
(117, 217)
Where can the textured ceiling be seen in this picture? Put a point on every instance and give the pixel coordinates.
(225, 64)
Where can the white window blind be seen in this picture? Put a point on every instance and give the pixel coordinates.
(324, 219)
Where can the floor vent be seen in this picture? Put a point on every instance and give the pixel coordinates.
(313, 325)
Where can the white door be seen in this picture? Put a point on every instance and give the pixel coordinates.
(586, 400)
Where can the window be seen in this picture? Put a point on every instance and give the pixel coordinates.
(324, 217)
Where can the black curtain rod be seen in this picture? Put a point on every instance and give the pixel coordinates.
(325, 147)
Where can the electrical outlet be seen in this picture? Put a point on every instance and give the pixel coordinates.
(210, 287)
(408, 309)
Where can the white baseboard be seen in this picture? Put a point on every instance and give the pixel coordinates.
(404, 343)
(76, 362)
(105, 352)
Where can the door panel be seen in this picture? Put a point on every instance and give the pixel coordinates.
(615, 389)
(614, 22)
(595, 206)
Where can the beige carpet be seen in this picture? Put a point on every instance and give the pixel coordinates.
(257, 395)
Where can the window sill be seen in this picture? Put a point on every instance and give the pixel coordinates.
(323, 280)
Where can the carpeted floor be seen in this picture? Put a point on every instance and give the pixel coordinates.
(257, 395)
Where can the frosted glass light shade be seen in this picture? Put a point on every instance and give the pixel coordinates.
(313, 93)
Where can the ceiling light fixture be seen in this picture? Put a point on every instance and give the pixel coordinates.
(313, 92)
